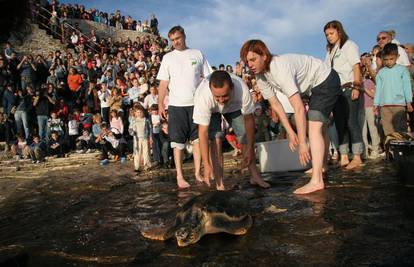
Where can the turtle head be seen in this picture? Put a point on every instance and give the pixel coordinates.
(188, 234)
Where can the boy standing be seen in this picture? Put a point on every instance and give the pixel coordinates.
(393, 93)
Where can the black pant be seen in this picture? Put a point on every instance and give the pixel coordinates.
(108, 148)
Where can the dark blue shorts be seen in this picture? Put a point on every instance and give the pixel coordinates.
(181, 127)
(324, 97)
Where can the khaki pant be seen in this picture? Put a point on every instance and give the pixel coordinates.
(141, 152)
(394, 119)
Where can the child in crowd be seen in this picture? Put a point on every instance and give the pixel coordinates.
(166, 150)
(86, 119)
(55, 124)
(116, 122)
(261, 123)
(155, 136)
(139, 128)
(37, 150)
(110, 144)
(232, 140)
(55, 145)
(73, 131)
(20, 150)
(369, 125)
(96, 126)
(84, 142)
(393, 93)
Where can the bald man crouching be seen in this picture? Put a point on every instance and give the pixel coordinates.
(222, 94)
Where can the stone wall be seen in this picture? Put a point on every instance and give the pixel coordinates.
(38, 42)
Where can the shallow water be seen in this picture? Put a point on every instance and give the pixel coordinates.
(92, 217)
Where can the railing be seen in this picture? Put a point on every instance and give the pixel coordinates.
(66, 26)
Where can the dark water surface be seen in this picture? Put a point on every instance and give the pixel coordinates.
(92, 217)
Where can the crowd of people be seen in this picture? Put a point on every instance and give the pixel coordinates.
(55, 14)
(158, 103)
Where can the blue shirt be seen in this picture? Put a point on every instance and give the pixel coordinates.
(393, 86)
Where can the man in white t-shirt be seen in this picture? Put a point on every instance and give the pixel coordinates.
(225, 95)
(181, 72)
(294, 75)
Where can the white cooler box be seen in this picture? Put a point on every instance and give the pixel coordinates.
(276, 156)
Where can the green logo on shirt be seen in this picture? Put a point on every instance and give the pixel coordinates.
(193, 62)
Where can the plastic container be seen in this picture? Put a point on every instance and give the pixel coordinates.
(276, 156)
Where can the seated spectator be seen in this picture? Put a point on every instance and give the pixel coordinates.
(55, 145)
(37, 150)
(20, 150)
(116, 121)
(84, 143)
(110, 144)
(96, 126)
(86, 119)
(6, 130)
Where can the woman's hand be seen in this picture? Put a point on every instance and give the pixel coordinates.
(293, 140)
(304, 155)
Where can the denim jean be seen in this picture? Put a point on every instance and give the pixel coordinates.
(166, 152)
(21, 117)
(42, 124)
(371, 127)
(349, 129)
(156, 147)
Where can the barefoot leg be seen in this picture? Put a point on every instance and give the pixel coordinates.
(255, 177)
(197, 161)
(317, 146)
(217, 163)
(178, 160)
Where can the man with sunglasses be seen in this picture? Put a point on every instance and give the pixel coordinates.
(384, 38)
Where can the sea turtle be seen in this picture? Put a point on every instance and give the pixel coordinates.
(209, 213)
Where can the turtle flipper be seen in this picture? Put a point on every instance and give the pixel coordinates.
(158, 233)
(229, 225)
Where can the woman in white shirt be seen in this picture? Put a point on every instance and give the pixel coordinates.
(293, 75)
(343, 56)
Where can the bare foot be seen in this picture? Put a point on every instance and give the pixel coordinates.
(355, 163)
(220, 187)
(207, 182)
(182, 184)
(309, 188)
(344, 162)
(310, 171)
(260, 183)
(244, 171)
(199, 178)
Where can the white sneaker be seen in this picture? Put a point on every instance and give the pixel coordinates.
(88, 151)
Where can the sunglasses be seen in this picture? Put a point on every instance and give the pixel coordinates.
(381, 38)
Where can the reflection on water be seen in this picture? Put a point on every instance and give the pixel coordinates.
(68, 219)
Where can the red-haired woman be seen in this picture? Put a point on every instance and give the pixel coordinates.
(293, 75)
